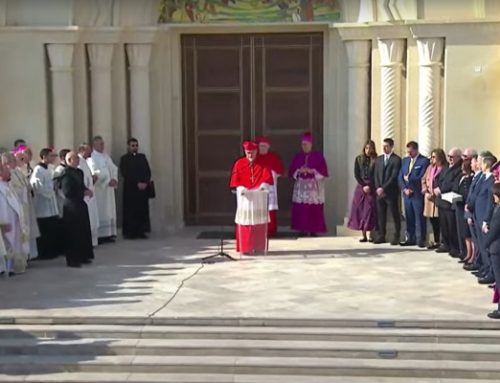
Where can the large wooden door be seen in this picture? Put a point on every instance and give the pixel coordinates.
(237, 87)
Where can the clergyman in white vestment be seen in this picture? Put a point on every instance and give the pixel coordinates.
(106, 171)
(16, 240)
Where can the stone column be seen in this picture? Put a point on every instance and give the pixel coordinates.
(430, 52)
(358, 54)
(140, 112)
(391, 63)
(61, 68)
(367, 10)
(100, 56)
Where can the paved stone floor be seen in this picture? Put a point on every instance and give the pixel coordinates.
(302, 278)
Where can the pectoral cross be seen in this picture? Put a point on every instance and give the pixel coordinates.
(252, 177)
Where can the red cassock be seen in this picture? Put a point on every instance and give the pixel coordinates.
(273, 162)
(250, 238)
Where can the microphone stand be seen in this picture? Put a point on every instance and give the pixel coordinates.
(220, 252)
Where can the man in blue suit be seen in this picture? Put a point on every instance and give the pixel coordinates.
(473, 156)
(482, 212)
(413, 168)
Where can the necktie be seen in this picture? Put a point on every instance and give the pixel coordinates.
(412, 163)
(386, 160)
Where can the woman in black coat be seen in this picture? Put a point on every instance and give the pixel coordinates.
(462, 187)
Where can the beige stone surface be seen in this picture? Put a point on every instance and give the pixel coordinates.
(304, 278)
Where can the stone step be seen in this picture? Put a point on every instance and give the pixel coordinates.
(251, 348)
(80, 377)
(261, 322)
(251, 332)
(36, 364)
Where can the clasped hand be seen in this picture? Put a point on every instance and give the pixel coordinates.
(306, 170)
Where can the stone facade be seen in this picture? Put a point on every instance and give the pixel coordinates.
(424, 70)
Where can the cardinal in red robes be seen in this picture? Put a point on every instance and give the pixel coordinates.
(247, 177)
(273, 162)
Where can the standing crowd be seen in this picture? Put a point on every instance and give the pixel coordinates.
(65, 203)
(458, 193)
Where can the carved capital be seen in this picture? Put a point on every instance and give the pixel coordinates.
(391, 51)
(430, 51)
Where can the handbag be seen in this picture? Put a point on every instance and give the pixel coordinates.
(151, 191)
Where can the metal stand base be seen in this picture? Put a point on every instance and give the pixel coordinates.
(210, 259)
(220, 253)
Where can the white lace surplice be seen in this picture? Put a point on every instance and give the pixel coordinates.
(252, 206)
(309, 191)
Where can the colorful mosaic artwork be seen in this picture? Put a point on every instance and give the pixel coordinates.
(248, 11)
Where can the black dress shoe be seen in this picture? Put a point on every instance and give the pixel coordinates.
(454, 254)
(486, 281)
(87, 262)
(363, 240)
(421, 245)
(494, 314)
(433, 246)
(478, 274)
(470, 267)
(407, 243)
(394, 243)
(370, 240)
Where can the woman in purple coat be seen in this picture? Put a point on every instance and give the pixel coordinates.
(364, 210)
(309, 171)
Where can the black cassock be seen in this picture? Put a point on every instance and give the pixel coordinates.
(78, 236)
(134, 168)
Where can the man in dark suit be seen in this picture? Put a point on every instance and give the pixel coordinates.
(472, 155)
(448, 223)
(482, 212)
(413, 168)
(492, 243)
(136, 173)
(387, 167)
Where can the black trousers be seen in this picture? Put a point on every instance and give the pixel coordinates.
(462, 229)
(392, 204)
(435, 229)
(449, 231)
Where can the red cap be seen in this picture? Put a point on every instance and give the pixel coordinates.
(263, 140)
(249, 146)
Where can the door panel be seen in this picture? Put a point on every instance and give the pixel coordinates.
(237, 87)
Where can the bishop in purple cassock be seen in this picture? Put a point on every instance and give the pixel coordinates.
(309, 171)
